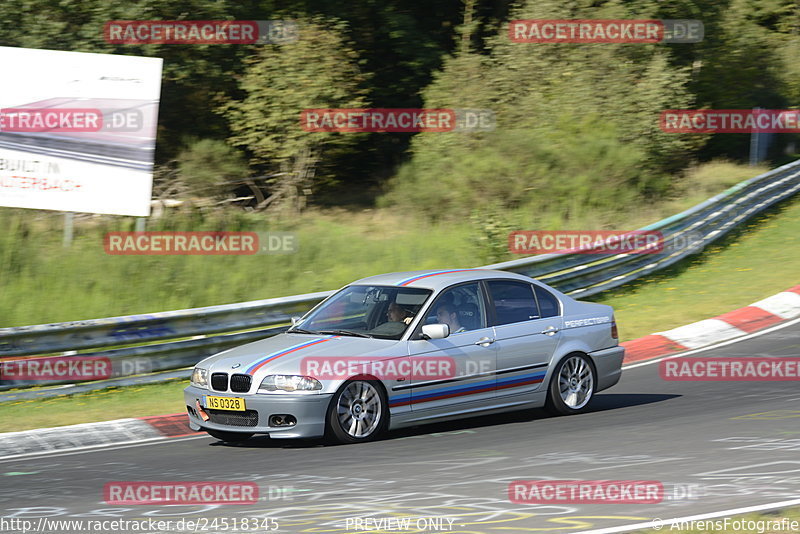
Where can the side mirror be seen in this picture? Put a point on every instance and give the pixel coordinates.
(435, 331)
(295, 320)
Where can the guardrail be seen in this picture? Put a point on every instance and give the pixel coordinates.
(134, 343)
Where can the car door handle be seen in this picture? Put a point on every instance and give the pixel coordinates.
(550, 330)
(485, 341)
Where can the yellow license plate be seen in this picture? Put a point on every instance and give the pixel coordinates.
(225, 403)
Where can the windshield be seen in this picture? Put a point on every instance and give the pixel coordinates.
(383, 312)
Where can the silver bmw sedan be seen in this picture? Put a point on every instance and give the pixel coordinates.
(409, 348)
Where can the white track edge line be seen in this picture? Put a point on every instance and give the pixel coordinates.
(100, 447)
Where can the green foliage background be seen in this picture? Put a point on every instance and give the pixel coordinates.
(392, 53)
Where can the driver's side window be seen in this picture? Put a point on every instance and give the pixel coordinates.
(460, 308)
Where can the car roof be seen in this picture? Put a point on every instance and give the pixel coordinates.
(437, 279)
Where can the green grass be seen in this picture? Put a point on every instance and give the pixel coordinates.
(103, 405)
(700, 183)
(42, 282)
(757, 261)
(768, 519)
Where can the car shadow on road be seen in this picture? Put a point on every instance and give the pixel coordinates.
(260, 441)
(614, 401)
(601, 403)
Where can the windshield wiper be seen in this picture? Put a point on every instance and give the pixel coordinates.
(344, 333)
(294, 330)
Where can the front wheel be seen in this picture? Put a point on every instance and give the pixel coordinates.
(229, 437)
(572, 386)
(358, 412)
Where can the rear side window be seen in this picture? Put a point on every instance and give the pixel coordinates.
(513, 302)
(548, 304)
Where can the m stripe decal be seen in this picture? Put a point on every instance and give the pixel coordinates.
(468, 377)
(434, 273)
(259, 364)
(481, 387)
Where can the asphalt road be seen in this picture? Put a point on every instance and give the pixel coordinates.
(714, 446)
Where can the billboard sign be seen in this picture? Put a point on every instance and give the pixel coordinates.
(78, 131)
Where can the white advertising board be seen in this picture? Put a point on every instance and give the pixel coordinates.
(78, 131)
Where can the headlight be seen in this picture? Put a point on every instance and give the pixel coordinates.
(199, 378)
(289, 383)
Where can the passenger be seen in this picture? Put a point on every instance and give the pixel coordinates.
(446, 314)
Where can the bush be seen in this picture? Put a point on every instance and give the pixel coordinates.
(555, 176)
(210, 167)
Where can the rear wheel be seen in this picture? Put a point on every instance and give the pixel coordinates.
(358, 412)
(572, 386)
(229, 437)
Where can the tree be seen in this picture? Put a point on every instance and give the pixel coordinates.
(576, 121)
(318, 70)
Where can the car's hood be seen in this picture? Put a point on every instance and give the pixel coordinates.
(284, 353)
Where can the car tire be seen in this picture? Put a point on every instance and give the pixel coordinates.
(572, 386)
(358, 412)
(229, 437)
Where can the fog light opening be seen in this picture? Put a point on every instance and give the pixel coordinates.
(203, 415)
(282, 420)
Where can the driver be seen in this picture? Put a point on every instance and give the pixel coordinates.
(398, 314)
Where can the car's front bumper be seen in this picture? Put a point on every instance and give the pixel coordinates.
(309, 410)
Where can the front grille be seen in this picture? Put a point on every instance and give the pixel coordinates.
(241, 383)
(219, 381)
(224, 417)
